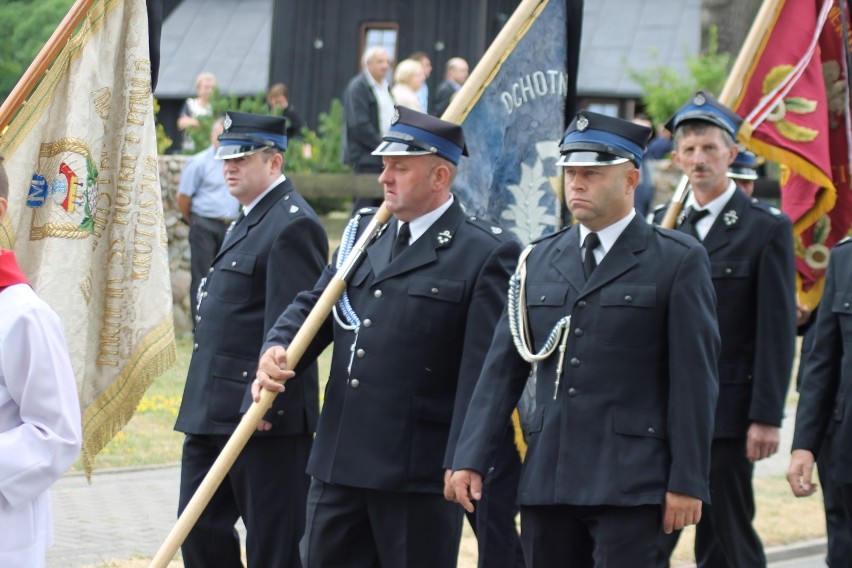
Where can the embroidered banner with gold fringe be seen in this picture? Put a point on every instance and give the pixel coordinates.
(85, 213)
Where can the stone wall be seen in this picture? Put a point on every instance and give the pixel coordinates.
(171, 167)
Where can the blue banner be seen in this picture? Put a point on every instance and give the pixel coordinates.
(513, 129)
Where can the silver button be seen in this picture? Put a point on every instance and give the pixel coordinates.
(204, 295)
(543, 298)
(280, 413)
(491, 469)
(578, 332)
(575, 362)
(377, 294)
(233, 263)
(651, 430)
(572, 392)
(368, 323)
(729, 270)
(434, 290)
(245, 373)
(628, 298)
(846, 304)
(355, 383)
(197, 319)
(195, 347)
(360, 353)
(581, 304)
(211, 270)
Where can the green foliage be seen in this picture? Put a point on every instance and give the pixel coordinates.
(25, 26)
(664, 91)
(163, 140)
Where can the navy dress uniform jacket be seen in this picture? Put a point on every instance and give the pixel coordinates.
(633, 415)
(427, 320)
(751, 260)
(827, 382)
(277, 251)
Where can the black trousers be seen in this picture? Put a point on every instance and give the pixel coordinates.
(353, 527)
(574, 536)
(267, 487)
(493, 520)
(725, 537)
(837, 518)
(205, 240)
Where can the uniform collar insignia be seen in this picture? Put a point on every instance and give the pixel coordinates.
(444, 237)
(681, 217)
(730, 217)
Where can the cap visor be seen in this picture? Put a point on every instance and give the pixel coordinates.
(590, 159)
(231, 151)
(399, 149)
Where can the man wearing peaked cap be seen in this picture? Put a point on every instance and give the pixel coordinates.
(618, 317)
(410, 336)
(751, 254)
(744, 171)
(276, 249)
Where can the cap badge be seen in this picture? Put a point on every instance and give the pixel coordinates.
(496, 230)
(730, 218)
(444, 237)
(699, 99)
(395, 118)
(227, 122)
(582, 123)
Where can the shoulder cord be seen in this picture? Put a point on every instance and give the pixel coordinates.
(519, 324)
(344, 313)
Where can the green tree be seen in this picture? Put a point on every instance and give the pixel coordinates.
(664, 91)
(25, 26)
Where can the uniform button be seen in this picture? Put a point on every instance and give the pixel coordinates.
(729, 271)
(581, 304)
(628, 298)
(748, 377)
(280, 413)
(846, 305)
(355, 383)
(491, 469)
(434, 290)
(204, 295)
(233, 263)
(578, 332)
(575, 362)
(195, 347)
(197, 319)
(211, 270)
(543, 298)
(368, 323)
(377, 294)
(651, 430)
(572, 392)
(360, 353)
(245, 373)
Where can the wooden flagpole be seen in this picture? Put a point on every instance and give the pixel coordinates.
(42, 62)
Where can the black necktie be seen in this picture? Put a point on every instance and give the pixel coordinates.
(589, 263)
(401, 242)
(693, 216)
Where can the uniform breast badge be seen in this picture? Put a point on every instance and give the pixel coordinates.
(730, 218)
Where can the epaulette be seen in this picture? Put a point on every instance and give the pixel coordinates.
(675, 235)
(765, 207)
(486, 226)
(550, 235)
(291, 208)
(364, 211)
(843, 241)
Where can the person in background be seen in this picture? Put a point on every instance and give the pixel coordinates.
(40, 424)
(643, 197)
(207, 207)
(408, 77)
(743, 170)
(276, 249)
(195, 107)
(454, 77)
(660, 145)
(278, 99)
(423, 91)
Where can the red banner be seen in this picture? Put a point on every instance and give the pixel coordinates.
(795, 103)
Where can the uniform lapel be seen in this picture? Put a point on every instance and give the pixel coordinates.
(570, 264)
(423, 251)
(728, 220)
(622, 256)
(240, 230)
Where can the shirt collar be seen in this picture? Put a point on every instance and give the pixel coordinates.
(607, 235)
(247, 209)
(714, 207)
(421, 224)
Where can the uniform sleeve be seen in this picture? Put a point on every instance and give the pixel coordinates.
(694, 346)
(821, 377)
(45, 437)
(776, 326)
(487, 303)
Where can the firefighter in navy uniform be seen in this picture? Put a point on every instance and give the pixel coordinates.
(275, 249)
(410, 336)
(750, 245)
(618, 317)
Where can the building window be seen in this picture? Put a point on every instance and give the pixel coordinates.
(382, 34)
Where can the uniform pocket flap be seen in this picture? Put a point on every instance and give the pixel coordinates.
(234, 367)
(842, 303)
(546, 293)
(639, 423)
(729, 268)
(839, 409)
(442, 289)
(635, 295)
(239, 262)
(432, 408)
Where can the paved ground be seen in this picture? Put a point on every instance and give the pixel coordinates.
(127, 513)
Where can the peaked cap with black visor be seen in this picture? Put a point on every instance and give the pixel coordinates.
(704, 108)
(594, 139)
(415, 133)
(246, 134)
